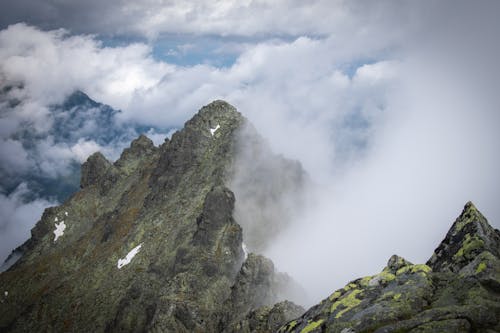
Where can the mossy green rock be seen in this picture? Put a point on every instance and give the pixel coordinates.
(458, 290)
(148, 244)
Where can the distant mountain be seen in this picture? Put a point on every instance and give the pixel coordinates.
(79, 114)
(79, 120)
(154, 242)
(42, 148)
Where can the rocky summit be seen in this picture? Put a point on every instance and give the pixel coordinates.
(154, 242)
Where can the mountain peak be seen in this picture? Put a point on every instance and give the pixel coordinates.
(469, 205)
(216, 117)
(469, 236)
(219, 106)
(77, 99)
(148, 244)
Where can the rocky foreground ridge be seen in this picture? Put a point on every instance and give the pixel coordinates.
(150, 243)
(457, 290)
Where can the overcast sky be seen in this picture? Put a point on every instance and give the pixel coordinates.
(391, 106)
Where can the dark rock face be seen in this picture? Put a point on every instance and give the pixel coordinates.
(94, 170)
(255, 288)
(255, 285)
(130, 158)
(456, 291)
(148, 244)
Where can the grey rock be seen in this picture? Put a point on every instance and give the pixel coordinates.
(94, 170)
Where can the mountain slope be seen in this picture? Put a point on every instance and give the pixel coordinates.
(458, 290)
(149, 243)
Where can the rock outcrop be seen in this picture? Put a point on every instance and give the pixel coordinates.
(458, 290)
(94, 170)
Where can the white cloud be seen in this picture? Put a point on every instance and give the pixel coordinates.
(432, 153)
(373, 74)
(39, 69)
(17, 219)
(55, 158)
(159, 138)
(14, 158)
(53, 64)
(84, 148)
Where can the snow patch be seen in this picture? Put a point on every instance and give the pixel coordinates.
(66, 213)
(129, 257)
(6, 293)
(245, 250)
(59, 230)
(213, 130)
(56, 219)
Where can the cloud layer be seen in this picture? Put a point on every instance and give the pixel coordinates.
(228, 17)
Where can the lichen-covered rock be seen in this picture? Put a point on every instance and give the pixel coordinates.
(456, 291)
(469, 236)
(364, 304)
(148, 244)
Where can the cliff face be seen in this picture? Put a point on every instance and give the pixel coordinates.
(148, 244)
(457, 290)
